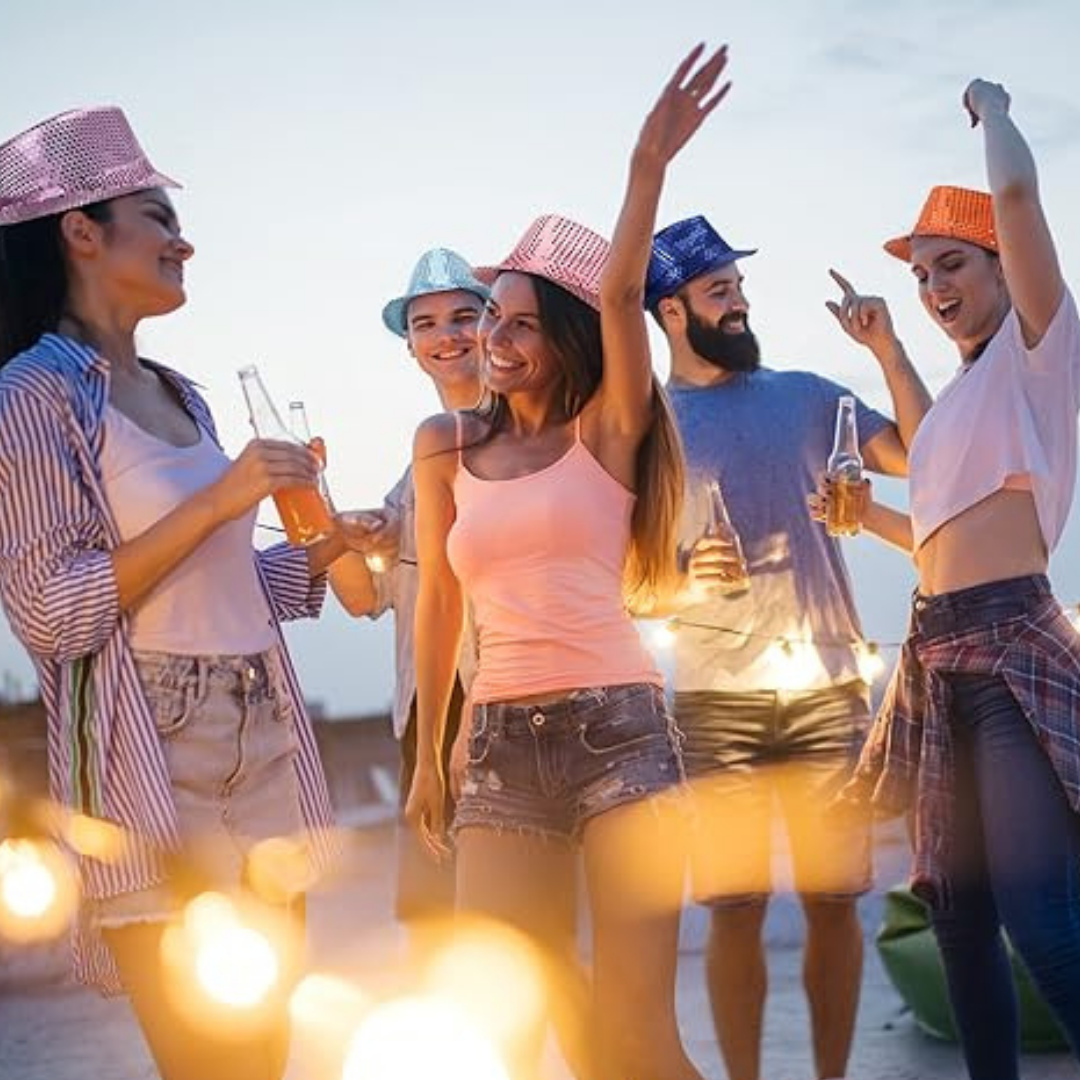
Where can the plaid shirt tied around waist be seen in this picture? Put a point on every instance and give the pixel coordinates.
(907, 762)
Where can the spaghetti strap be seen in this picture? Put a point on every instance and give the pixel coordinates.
(459, 437)
(577, 428)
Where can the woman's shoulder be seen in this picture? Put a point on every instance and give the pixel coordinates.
(49, 360)
(448, 431)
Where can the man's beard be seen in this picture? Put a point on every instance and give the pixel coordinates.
(717, 346)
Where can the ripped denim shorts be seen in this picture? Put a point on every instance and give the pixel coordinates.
(548, 769)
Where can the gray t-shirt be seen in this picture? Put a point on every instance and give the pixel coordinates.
(766, 436)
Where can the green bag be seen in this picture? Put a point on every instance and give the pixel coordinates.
(909, 953)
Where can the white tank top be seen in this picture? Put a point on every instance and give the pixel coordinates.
(1007, 420)
(212, 602)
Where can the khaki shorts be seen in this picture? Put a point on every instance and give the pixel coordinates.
(749, 755)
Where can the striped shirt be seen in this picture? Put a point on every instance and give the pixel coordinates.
(59, 591)
(908, 760)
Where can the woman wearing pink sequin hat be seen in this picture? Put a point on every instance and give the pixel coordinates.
(551, 508)
(127, 570)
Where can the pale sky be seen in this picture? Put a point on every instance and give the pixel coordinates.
(323, 146)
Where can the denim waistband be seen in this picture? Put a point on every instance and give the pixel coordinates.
(567, 710)
(172, 669)
(980, 605)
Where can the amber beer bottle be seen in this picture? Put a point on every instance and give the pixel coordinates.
(303, 510)
(721, 528)
(845, 469)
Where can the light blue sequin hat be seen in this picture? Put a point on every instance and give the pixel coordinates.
(682, 252)
(438, 270)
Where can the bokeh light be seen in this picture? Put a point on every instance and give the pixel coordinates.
(38, 892)
(420, 1037)
(280, 869)
(482, 955)
(228, 962)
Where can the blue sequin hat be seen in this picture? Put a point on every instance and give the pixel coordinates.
(438, 270)
(682, 252)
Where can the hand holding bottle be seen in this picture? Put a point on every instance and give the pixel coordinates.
(264, 467)
(844, 470)
(375, 534)
(303, 507)
(717, 562)
(819, 502)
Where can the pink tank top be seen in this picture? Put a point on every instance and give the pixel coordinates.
(540, 558)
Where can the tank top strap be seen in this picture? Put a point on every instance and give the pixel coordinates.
(459, 438)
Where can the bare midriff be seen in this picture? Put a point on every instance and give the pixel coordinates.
(996, 539)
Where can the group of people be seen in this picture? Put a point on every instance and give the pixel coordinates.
(543, 508)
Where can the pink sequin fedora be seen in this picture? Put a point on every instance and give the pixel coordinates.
(560, 250)
(79, 157)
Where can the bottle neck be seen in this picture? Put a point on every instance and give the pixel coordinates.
(845, 454)
(265, 418)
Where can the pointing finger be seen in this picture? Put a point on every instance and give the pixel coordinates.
(848, 288)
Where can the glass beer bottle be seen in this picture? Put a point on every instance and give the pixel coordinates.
(298, 425)
(720, 527)
(845, 469)
(303, 511)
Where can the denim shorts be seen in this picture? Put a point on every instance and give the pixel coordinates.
(748, 753)
(229, 735)
(549, 769)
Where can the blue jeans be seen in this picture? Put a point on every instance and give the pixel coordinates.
(1015, 857)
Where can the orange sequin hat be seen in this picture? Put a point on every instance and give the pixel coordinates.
(956, 212)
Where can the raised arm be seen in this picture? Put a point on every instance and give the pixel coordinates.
(1028, 258)
(866, 320)
(627, 387)
(440, 613)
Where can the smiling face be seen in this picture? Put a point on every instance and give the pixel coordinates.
(517, 355)
(715, 316)
(137, 257)
(441, 333)
(962, 288)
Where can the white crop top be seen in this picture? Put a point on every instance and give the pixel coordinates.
(212, 602)
(1009, 419)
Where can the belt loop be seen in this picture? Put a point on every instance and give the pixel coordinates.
(202, 677)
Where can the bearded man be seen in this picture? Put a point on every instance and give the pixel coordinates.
(768, 689)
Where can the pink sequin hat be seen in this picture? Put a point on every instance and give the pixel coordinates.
(560, 250)
(71, 160)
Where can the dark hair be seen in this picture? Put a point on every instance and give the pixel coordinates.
(572, 328)
(34, 278)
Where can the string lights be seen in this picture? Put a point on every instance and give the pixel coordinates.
(794, 659)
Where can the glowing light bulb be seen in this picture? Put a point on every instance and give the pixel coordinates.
(871, 663)
(794, 663)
